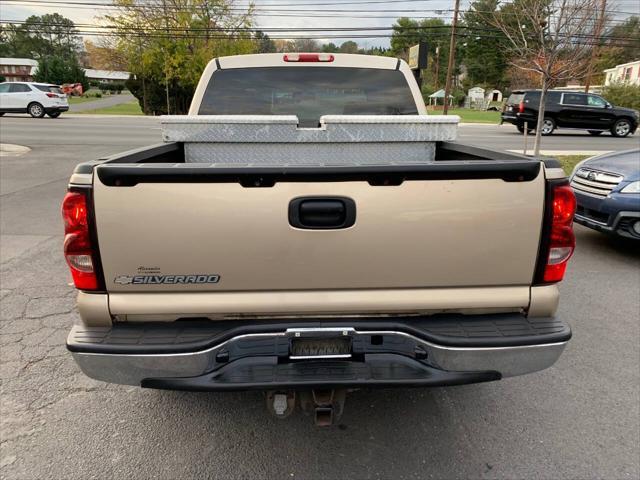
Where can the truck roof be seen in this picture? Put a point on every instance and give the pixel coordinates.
(334, 60)
(312, 60)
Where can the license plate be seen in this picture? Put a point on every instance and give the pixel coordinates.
(304, 348)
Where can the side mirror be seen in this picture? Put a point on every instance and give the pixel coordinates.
(608, 105)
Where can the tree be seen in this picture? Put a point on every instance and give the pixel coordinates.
(433, 31)
(380, 51)
(169, 42)
(330, 48)
(619, 45)
(552, 38)
(349, 47)
(623, 95)
(103, 56)
(5, 47)
(265, 44)
(483, 55)
(61, 70)
(42, 36)
(306, 45)
(284, 46)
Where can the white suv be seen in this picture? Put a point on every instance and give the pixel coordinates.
(36, 99)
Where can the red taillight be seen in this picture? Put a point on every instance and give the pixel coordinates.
(308, 57)
(521, 107)
(78, 250)
(562, 242)
(52, 95)
(564, 205)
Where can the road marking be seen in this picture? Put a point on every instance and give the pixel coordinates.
(566, 152)
(11, 150)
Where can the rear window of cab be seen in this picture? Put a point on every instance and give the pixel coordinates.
(308, 92)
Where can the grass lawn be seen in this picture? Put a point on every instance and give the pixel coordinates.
(570, 161)
(129, 108)
(473, 116)
(74, 100)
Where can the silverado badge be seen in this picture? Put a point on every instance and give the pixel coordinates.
(165, 279)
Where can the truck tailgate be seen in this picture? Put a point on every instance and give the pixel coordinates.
(168, 229)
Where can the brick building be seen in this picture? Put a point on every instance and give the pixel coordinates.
(18, 69)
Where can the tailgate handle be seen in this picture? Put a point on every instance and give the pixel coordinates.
(322, 213)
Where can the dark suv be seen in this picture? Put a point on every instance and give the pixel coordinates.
(584, 111)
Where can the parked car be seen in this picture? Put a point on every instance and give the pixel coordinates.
(607, 189)
(308, 229)
(36, 99)
(583, 111)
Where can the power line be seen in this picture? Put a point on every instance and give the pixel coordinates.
(237, 8)
(332, 16)
(259, 14)
(238, 35)
(471, 31)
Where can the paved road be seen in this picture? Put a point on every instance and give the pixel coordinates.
(107, 101)
(579, 419)
(114, 131)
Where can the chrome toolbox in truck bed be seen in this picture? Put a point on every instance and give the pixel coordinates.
(340, 139)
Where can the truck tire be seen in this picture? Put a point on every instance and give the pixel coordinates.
(548, 126)
(35, 110)
(521, 129)
(621, 128)
(594, 132)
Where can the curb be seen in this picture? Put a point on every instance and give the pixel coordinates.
(106, 115)
(479, 124)
(590, 153)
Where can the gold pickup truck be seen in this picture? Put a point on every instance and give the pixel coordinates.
(308, 229)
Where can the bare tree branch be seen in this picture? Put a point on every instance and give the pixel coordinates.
(549, 37)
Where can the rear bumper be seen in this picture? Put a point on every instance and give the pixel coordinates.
(510, 118)
(622, 224)
(61, 108)
(615, 214)
(448, 350)
(518, 119)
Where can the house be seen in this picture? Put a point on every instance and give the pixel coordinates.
(628, 73)
(18, 69)
(106, 76)
(476, 94)
(493, 95)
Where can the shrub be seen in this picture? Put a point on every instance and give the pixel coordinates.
(623, 95)
(58, 70)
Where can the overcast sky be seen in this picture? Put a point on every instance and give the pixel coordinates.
(380, 14)
(320, 16)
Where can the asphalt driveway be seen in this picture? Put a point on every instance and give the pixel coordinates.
(579, 419)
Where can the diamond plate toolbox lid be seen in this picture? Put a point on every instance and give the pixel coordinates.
(332, 129)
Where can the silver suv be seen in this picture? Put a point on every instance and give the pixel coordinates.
(36, 99)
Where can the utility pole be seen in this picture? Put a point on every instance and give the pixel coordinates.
(166, 70)
(437, 67)
(452, 56)
(594, 50)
